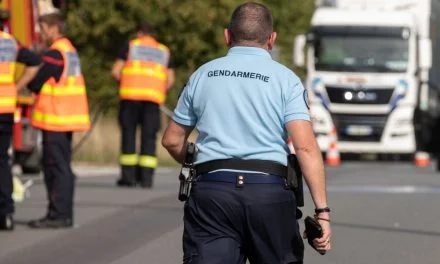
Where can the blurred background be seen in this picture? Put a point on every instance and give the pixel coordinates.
(371, 68)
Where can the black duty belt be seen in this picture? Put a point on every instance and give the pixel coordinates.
(264, 166)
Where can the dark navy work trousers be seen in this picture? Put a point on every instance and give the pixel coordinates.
(6, 202)
(147, 115)
(58, 175)
(226, 224)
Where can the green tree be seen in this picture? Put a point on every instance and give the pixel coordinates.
(193, 30)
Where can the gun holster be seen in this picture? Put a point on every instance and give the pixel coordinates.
(187, 173)
(294, 179)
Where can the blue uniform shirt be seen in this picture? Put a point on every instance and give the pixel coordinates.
(240, 104)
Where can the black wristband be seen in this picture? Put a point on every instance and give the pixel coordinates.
(322, 210)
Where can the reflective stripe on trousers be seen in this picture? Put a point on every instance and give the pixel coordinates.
(148, 161)
(129, 159)
(142, 160)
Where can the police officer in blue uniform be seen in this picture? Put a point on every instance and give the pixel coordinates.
(244, 105)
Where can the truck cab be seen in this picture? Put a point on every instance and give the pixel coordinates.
(370, 72)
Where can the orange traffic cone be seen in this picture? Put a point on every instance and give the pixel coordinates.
(332, 157)
(290, 144)
(421, 159)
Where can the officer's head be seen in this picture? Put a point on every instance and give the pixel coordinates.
(51, 27)
(251, 25)
(144, 29)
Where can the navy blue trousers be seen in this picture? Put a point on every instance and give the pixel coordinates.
(6, 202)
(58, 175)
(147, 115)
(226, 224)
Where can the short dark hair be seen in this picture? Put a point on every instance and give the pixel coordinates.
(53, 19)
(145, 28)
(251, 22)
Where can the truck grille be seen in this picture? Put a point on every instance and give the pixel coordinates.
(361, 95)
(374, 123)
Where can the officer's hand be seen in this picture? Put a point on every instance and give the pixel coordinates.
(324, 243)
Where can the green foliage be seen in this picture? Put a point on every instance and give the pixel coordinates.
(192, 29)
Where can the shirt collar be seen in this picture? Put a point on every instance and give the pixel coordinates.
(242, 50)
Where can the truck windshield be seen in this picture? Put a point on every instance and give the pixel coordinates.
(361, 53)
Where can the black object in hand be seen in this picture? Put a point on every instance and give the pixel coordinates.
(187, 173)
(313, 230)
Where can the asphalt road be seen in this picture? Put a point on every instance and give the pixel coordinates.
(382, 213)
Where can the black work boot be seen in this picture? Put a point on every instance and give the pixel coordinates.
(46, 223)
(125, 183)
(6, 222)
(145, 177)
(128, 176)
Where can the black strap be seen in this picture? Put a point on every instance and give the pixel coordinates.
(264, 166)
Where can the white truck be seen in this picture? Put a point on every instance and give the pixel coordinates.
(372, 72)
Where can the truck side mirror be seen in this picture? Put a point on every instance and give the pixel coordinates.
(425, 53)
(298, 51)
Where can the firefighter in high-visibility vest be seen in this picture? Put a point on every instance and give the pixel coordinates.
(60, 109)
(145, 74)
(11, 52)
